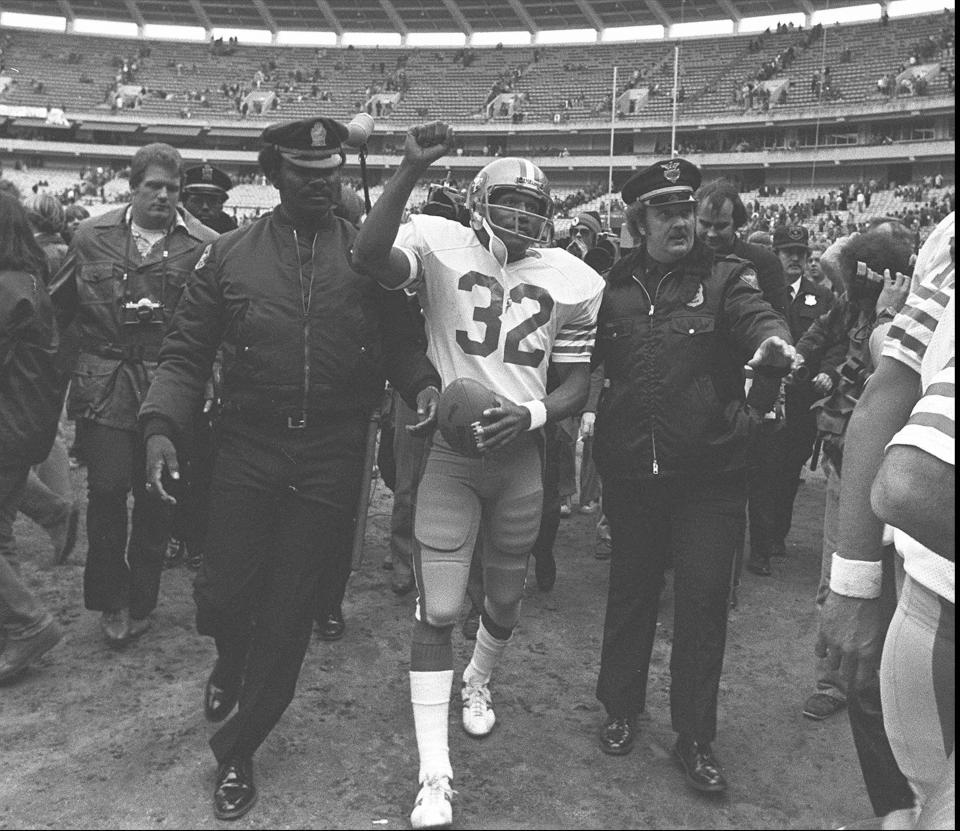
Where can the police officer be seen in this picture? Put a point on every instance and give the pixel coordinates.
(673, 440)
(773, 488)
(119, 284)
(305, 342)
(204, 194)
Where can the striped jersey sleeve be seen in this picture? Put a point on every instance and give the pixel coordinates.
(932, 424)
(575, 337)
(912, 329)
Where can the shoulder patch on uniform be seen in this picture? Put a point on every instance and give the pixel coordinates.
(203, 258)
(749, 276)
(697, 298)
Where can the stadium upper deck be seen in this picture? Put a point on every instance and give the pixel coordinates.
(405, 16)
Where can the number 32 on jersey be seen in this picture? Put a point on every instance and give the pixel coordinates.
(490, 316)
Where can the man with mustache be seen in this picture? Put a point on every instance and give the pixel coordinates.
(306, 342)
(119, 284)
(673, 440)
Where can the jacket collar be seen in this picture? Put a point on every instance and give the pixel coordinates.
(185, 222)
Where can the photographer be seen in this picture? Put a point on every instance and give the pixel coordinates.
(119, 284)
(873, 268)
(588, 243)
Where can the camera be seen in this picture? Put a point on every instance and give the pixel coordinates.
(142, 312)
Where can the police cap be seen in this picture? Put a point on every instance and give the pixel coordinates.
(206, 178)
(790, 236)
(668, 182)
(311, 142)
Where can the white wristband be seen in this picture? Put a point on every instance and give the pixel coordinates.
(855, 578)
(538, 413)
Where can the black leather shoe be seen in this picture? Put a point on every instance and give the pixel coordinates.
(759, 566)
(617, 735)
(700, 765)
(545, 569)
(235, 793)
(220, 694)
(331, 627)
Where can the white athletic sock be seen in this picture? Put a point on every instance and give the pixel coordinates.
(486, 656)
(430, 696)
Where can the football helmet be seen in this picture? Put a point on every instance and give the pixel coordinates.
(512, 175)
(446, 201)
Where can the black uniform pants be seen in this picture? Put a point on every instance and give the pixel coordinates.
(774, 483)
(550, 520)
(281, 520)
(119, 574)
(693, 524)
(196, 471)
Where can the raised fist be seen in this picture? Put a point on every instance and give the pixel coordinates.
(426, 143)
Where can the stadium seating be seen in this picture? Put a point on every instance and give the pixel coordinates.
(561, 83)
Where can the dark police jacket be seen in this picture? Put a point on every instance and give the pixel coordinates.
(248, 294)
(674, 362)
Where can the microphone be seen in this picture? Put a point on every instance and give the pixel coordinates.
(359, 130)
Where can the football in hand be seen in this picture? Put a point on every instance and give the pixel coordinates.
(460, 411)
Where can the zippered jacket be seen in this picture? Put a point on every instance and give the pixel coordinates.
(674, 399)
(102, 273)
(302, 336)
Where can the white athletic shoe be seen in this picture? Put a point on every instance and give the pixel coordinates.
(434, 805)
(478, 715)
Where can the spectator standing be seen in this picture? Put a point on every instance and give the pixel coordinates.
(673, 462)
(773, 487)
(48, 493)
(305, 343)
(29, 411)
(119, 284)
(720, 215)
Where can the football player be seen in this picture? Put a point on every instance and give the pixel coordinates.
(499, 309)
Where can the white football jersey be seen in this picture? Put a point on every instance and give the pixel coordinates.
(500, 326)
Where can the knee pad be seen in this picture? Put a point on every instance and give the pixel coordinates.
(502, 617)
(500, 632)
(431, 648)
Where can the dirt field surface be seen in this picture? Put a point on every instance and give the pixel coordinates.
(94, 737)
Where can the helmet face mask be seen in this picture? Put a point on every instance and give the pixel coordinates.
(495, 184)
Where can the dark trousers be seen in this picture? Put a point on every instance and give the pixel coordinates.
(196, 458)
(552, 469)
(887, 787)
(693, 524)
(121, 574)
(774, 483)
(281, 520)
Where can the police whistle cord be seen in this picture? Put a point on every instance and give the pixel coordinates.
(363, 178)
